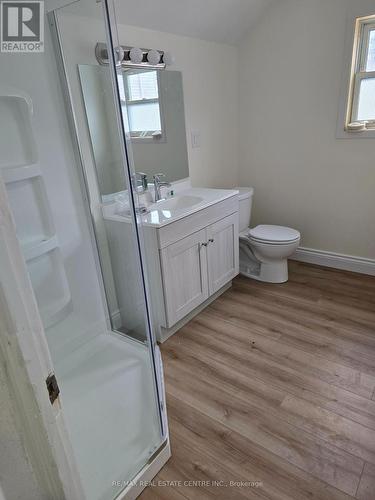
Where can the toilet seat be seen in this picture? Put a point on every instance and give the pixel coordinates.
(273, 235)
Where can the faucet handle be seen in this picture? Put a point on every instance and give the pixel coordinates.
(158, 176)
(143, 179)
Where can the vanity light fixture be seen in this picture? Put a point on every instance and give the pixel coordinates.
(168, 59)
(135, 57)
(153, 57)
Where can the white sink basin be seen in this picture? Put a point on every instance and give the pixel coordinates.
(172, 209)
(177, 203)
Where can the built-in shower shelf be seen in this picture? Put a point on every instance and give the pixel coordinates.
(17, 143)
(36, 249)
(56, 311)
(21, 173)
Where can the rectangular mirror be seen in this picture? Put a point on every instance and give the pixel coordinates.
(155, 106)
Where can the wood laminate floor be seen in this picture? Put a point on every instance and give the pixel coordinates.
(273, 386)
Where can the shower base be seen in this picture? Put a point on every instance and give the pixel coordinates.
(109, 407)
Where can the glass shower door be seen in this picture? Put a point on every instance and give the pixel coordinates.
(109, 373)
(119, 114)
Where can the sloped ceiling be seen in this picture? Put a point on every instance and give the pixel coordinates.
(225, 21)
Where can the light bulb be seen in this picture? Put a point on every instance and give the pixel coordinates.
(136, 55)
(153, 57)
(168, 58)
(119, 54)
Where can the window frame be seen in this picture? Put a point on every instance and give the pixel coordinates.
(358, 73)
(146, 135)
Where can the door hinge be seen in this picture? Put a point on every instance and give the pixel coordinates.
(52, 387)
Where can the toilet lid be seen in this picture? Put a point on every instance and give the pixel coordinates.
(276, 234)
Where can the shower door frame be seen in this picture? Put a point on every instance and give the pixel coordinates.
(163, 453)
(110, 21)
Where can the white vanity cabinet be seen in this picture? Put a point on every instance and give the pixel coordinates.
(222, 252)
(198, 257)
(185, 277)
(191, 255)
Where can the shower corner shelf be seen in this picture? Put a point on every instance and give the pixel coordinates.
(57, 311)
(48, 248)
(36, 249)
(20, 173)
(7, 92)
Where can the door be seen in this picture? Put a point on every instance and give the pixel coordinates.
(25, 355)
(222, 252)
(184, 266)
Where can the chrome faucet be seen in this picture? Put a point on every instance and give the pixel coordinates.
(158, 184)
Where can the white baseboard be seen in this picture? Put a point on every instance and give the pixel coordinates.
(335, 260)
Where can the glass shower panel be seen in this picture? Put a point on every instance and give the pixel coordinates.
(126, 310)
(107, 368)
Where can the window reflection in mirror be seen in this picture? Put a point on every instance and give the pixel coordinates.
(156, 117)
(141, 94)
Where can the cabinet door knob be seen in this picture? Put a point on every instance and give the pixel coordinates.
(211, 240)
(204, 244)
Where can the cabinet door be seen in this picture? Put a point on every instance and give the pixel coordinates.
(185, 278)
(223, 252)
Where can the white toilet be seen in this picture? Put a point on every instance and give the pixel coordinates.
(264, 250)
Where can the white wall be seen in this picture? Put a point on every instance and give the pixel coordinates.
(210, 83)
(291, 67)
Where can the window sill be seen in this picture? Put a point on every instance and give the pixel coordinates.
(148, 140)
(363, 134)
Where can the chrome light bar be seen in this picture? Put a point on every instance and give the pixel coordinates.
(134, 57)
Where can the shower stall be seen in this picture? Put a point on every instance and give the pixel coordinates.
(107, 371)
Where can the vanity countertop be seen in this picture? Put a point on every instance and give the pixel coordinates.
(169, 210)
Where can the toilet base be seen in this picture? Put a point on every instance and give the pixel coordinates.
(268, 272)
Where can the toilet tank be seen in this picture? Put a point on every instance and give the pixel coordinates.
(245, 199)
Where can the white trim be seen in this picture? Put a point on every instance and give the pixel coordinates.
(355, 13)
(360, 73)
(335, 260)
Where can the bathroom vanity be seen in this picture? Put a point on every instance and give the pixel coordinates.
(191, 242)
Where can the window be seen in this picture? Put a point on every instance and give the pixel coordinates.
(141, 90)
(361, 102)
